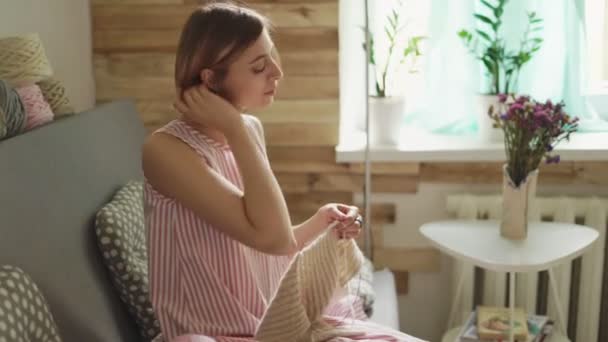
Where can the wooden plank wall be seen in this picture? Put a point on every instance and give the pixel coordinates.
(134, 50)
(134, 47)
(564, 173)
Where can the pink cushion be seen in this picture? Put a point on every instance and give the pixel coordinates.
(38, 111)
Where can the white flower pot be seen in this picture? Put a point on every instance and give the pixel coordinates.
(386, 118)
(516, 203)
(486, 130)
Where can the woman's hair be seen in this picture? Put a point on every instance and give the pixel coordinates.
(214, 36)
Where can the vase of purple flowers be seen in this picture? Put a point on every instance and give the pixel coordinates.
(531, 131)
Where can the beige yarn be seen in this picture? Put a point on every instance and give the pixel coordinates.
(295, 312)
(54, 93)
(23, 60)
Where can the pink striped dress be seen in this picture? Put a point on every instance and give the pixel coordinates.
(204, 285)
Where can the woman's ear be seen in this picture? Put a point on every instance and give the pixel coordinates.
(209, 81)
(207, 78)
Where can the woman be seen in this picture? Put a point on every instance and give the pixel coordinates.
(219, 233)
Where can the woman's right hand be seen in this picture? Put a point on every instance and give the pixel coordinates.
(206, 108)
(347, 216)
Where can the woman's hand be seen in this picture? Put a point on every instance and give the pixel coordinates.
(348, 225)
(206, 108)
(348, 218)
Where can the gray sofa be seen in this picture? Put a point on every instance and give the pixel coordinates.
(53, 180)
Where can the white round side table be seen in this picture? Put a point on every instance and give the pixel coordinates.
(478, 242)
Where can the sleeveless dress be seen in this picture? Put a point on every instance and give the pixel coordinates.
(206, 286)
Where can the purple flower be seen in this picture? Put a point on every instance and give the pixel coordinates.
(552, 159)
(522, 99)
(502, 98)
(542, 118)
(516, 106)
(542, 123)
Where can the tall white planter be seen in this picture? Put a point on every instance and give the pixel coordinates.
(386, 117)
(486, 130)
(516, 202)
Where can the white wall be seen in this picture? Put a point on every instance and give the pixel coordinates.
(65, 29)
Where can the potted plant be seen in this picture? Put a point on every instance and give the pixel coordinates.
(531, 130)
(502, 65)
(386, 105)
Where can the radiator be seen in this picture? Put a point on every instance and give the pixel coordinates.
(581, 286)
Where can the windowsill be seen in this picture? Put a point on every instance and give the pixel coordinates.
(425, 147)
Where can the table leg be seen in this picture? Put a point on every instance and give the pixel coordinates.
(511, 306)
(459, 286)
(560, 314)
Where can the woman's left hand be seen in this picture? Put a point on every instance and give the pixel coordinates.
(349, 220)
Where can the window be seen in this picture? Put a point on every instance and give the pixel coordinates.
(596, 15)
(414, 16)
(596, 12)
(441, 97)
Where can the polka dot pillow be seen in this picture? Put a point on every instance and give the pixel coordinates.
(120, 230)
(24, 313)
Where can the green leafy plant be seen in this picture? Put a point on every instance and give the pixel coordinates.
(502, 66)
(393, 32)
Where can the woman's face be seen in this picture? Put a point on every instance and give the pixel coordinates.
(252, 80)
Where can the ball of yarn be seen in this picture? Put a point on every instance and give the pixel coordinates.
(38, 112)
(55, 94)
(13, 109)
(23, 60)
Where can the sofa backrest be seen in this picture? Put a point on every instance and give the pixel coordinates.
(53, 180)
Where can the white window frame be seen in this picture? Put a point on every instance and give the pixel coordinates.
(596, 16)
(596, 29)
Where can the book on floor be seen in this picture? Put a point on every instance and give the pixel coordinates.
(494, 323)
(539, 329)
